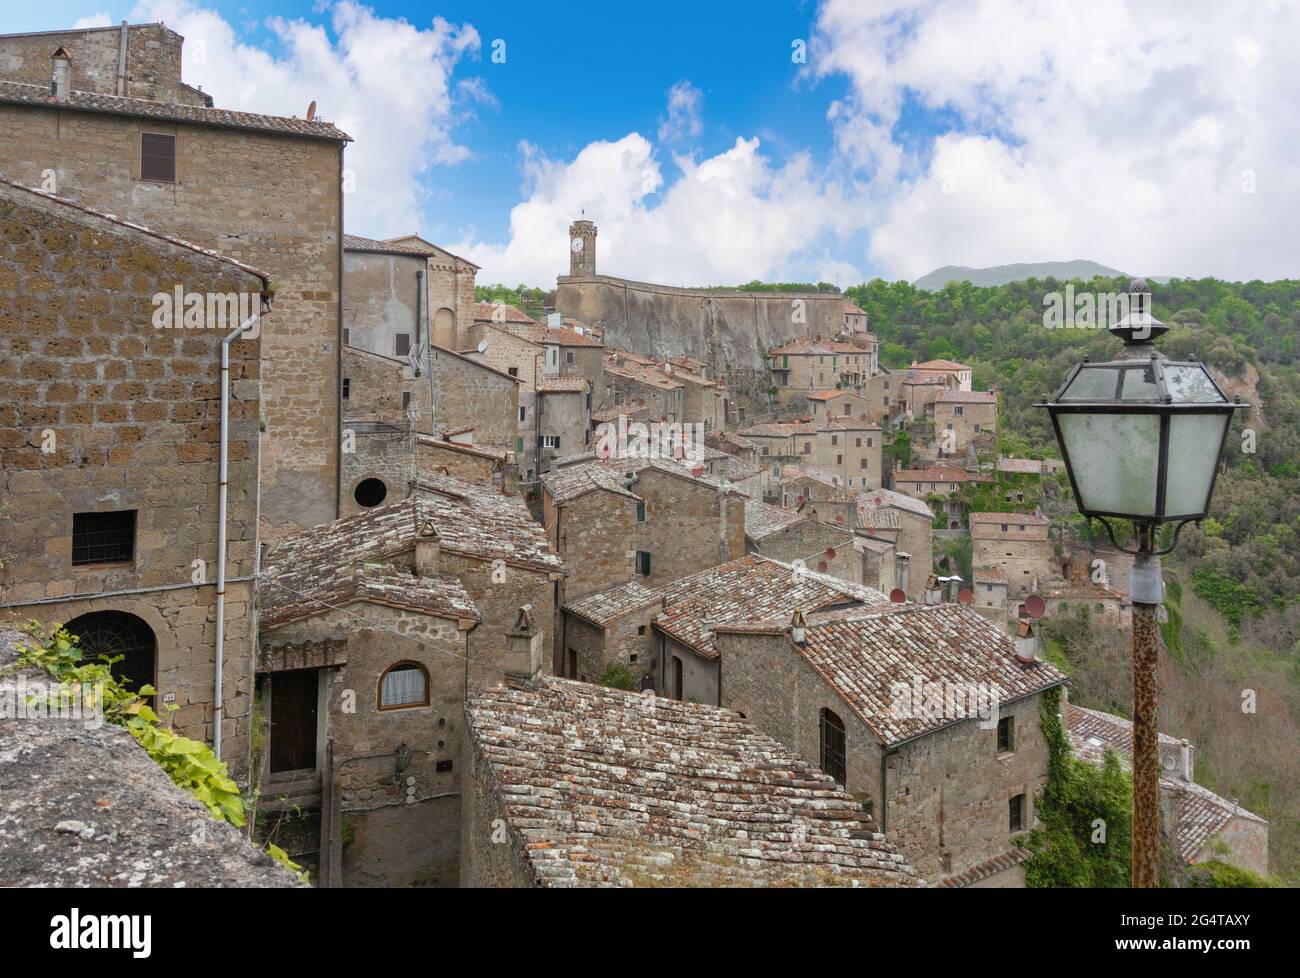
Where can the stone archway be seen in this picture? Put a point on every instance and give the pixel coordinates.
(120, 635)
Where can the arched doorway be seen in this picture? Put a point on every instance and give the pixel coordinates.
(119, 634)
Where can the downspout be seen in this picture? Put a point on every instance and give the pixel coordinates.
(222, 492)
(885, 754)
(338, 361)
(120, 84)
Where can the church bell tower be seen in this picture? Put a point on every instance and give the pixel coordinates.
(582, 249)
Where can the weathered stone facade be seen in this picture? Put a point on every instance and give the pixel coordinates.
(1018, 545)
(102, 412)
(259, 189)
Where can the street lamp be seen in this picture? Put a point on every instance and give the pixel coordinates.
(1141, 438)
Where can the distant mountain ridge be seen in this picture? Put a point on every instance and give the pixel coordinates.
(1002, 274)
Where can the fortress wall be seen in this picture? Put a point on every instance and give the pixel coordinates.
(730, 331)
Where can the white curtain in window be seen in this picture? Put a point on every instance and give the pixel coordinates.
(402, 687)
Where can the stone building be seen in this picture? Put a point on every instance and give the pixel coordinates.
(1018, 545)
(714, 801)
(109, 452)
(467, 394)
(563, 418)
(908, 524)
(838, 405)
(610, 626)
(965, 421)
(265, 190)
(926, 715)
(751, 589)
(1198, 824)
(363, 670)
(805, 368)
(956, 376)
(943, 481)
(661, 395)
(850, 449)
(612, 520)
(884, 395)
(792, 538)
(459, 457)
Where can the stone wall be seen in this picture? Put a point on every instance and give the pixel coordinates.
(689, 526)
(153, 61)
(470, 394)
(378, 451)
(466, 465)
(729, 331)
(381, 294)
(1026, 556)
(131, 416)
(492, 852)
(948, 792)
(375, 386)
(271, 200)
(595, 534)
(810, 542)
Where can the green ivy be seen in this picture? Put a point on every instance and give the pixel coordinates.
(1230, 597)
(1078, 794)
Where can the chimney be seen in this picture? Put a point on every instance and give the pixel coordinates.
(1185, 760)
(523, 665)
(554, 320)
(61, 83)
(901, 566)
(933, 591)
(1026, 642)
(797, 633)
(427, 547)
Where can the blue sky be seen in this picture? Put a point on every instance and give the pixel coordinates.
(942, 132)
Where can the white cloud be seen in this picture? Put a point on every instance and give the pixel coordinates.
(727, 219)
(683, 122)
(100, 19)
(384, 81)
(1118, 131)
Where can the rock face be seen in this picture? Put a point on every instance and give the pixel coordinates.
(730, 331)
(81, 805)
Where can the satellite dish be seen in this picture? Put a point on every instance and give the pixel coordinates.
(821, 566)
(482, 347)
(898, 595)
(964, 596)
(311, 111)
(830, 553)
(1035, 606)
(697, 471)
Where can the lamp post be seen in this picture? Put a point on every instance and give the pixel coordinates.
(1141, 438)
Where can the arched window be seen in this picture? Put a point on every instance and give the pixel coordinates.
(833, 746)
(115, 633)
(404, 685)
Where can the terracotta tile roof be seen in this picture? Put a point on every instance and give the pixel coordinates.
(763, 519)
(1011, 519)
(777, 429)
(940, 365)
(888, 499)
(935, 473)
(296, 592)
(862, 658)
(967, 397)
(990, 575)
(570, 482)
(751, 588)
(831, 394)
(132, 226)
(568, 384)
(19, 92)
(481, 521)
(484, 312)
(1029, 466)
(642, 373)
(989, 867)
(483, 451)
(568, 336)
(878, 519)
(605, 788)
(355, 242)
(605, 606)
(738, 470)
(1201, 813)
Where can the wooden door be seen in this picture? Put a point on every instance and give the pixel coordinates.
(293, 720)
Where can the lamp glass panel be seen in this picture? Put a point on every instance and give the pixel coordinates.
(1113, 458)
(1139, 384)
(1194, 441)
(1092, 384)
(1190, 384)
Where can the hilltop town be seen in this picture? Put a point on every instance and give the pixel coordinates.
(655, 586)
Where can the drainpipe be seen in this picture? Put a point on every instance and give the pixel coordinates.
(221, 526)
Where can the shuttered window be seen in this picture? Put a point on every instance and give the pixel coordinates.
(157, 157)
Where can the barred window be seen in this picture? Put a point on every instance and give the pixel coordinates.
(103, 538)
(833, 746)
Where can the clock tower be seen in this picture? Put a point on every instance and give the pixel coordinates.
(582, 249)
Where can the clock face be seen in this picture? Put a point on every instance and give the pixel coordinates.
(576, 245)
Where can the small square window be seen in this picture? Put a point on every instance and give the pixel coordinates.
(402, 344)
(640, 630)
(513, 371)
(406, 400)
(523, 412)
(347, 388)
(103, 538)
(158, 157)
(442, 767)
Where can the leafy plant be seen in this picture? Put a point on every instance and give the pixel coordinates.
(618, 676)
